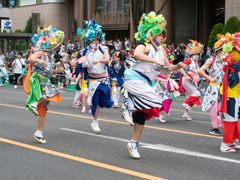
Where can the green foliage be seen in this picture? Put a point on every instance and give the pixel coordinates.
(231, 26)
(217, 29)
(17, 31)
(28, 28)
(3, 30)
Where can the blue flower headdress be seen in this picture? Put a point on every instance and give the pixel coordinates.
(47, 38)
(91, 32)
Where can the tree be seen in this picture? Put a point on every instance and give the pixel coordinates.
(17, 31)
(231, 25)
(3, 30)
(28, 28)
(217, 29)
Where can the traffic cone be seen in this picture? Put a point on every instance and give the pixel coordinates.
(72, 87)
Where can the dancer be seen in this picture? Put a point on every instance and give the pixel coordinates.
(214, 67)
(94, 68)
(2, 77)
(3, 63)
(37, 81)
(141, 102)
(189, 74)
(165, 87)
(116, 72)
(229, 93)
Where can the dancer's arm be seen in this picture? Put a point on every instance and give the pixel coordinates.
(106, 59)
(78, 78)
(202, 70)
(184, 74)
(35, 58)
(139, 55)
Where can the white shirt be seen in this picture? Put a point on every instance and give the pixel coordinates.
(2, 62)
(18, 66)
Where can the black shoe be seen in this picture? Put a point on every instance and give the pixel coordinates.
(215, 132)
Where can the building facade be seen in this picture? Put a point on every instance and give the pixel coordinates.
(187, 19)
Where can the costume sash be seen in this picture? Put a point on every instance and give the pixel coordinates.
(226, 68)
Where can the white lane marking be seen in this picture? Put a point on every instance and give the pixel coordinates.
(193, 120)
(160, 147)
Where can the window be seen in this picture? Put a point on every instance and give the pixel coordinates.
(5, 3)
(15, 46)
(112, 5)
(33, 2)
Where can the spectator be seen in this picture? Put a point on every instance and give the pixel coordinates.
(19, 65)
(126, 43)
(57, 57)
(175, 74)
(207, 55)
(64, 56)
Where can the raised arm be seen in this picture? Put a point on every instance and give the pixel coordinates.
(202, 70)
(36, 58)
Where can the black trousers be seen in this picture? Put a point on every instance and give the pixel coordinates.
(16, 78)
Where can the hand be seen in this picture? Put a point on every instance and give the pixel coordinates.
(73, 63)
(180, 65)
(213, 80)
(75, 84)
(42, 62)
(159, 80)
(96, 61)
(160, 63)
(60, 69)
(188, 78)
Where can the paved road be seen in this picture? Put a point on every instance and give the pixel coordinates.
(177, 149)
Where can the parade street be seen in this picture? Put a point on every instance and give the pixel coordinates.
(177, 149)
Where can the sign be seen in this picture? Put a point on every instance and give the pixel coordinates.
(12, 3)
(6, 24)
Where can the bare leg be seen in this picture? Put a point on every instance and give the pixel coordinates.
(137, 131)
(40, 122)
(40, 101)
(85, 98)
(96, 113)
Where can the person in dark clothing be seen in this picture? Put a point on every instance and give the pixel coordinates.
(57, 57)
(180, 58)
(118, 69)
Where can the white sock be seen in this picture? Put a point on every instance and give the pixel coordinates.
(35, 104)
(185, 114)
(38, 133)
(84, 108)
(133, 140)
(95, 122)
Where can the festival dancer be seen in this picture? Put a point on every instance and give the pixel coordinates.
(116, 71)
(37, 81)
(94, 68)
(2, 77)
(3, 63)
(141, 102)
(229, 93)
(214, 67)
(190, 77)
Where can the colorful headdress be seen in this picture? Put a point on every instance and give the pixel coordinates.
(194, 48)
(91, 32)
(231, 47)
(47, 38)
(151, 26)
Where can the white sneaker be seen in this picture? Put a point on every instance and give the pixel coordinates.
(128, 117)
(89, 111)
(33, 108)
(187, 117)
(225, 148)
(83, 111)
(15, 86)
(233, 146)
(95, 126)
(132, 148)
(167, 114)
(187, 106)
(162, 119)
(40, 139)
